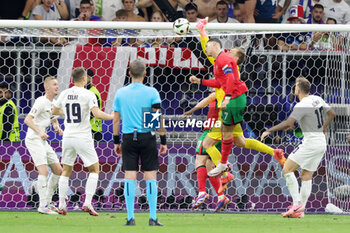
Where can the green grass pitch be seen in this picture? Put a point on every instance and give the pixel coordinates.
(77, 222)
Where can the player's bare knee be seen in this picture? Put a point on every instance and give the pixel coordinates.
(239, 141)
(306, 175)
(209, 165)
(200, 160)
(56, 169)
(208, 142)
(150, 175)
(43, 170)
(130, 175)
(94, 168)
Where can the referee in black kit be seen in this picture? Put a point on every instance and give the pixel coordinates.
(133, 104)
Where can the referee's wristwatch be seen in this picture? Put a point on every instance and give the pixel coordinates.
(116, 139)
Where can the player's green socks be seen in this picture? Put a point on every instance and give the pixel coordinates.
(258, 146)
(152, 193)
(129, 193)
(214, 154)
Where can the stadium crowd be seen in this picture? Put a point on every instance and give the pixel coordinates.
(223, 11)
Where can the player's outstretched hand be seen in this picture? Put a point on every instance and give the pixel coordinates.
(187, 114)
(201, 24)
(163, 149)
(59, 131)
(264, 135)
(194, 79)
(118, 149)
(43, 135)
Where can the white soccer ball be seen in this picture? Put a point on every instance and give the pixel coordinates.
(181, 26)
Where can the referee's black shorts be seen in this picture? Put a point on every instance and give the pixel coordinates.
(144, 149)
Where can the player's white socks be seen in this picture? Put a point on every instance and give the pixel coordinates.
(90, 188)
(293, 187)
(51, 187)
(305, 191)
(62, 191)
(42, 187)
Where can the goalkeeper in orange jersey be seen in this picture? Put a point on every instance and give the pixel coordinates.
(214, 136)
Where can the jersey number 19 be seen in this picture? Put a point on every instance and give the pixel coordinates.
(73, 113)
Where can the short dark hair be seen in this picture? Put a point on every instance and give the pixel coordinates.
(221, 2)
(78, 74)
(216, 40)
(191, 6)
(332, 19)
(4, 85)
(85, 2)
(319, 6)
(121, 13)
(241, 56)
(303, 84)
(137, 68)
(90, 73)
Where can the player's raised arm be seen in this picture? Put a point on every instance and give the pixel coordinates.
(202, 104)
(284, 125)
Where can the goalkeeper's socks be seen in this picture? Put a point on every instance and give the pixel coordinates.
(226, 149)
(258, 146)
(129, 193)
(216, 183)
(201, 178)
(90, 188)
(214, 154)
(62, 191)
(293, 187)
(152, 193)
(305, 191)
(42, 187)
(51, 187)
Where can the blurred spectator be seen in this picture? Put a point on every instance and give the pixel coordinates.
(206, 8)
(231, 6)
(247, 9)
(284, 7)
(265, 10)
(317, 14)
(86, 15)
(326, 40)
(293, 41)
(9, 130)
(123, 36)
(222, 12)
(129, 6)
(191, 11)
(174, 4)
(11, 9)
(58, 6)
(109, 7)
(153, 41)
(45, 11)
(96, 124)
(337, 9)
(228, 41)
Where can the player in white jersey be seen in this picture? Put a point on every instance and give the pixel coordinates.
(38, 120)
(308, 155)
(76, 103)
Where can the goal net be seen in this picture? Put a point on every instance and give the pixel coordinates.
(276, 56)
